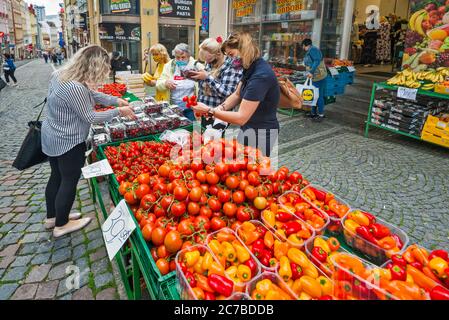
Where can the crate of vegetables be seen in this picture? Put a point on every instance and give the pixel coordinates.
(375, 238)
(325, 201)
(269, 286)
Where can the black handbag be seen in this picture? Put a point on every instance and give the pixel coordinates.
(30, 152)
(2, 83)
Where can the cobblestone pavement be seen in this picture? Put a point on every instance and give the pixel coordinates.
(33, 265)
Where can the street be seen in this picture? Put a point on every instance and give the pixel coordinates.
(403, 181)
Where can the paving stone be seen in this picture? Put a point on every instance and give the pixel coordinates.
(29, 248)
(20, 203)
(103, 279)
(22, 261)
(10, 238)
(59, 271)
(25, 292)
(61, 255)
(20, 227)
(7, 227)
(79, 251)
(5, 210)
(10, 250)
(30, 238)
(2, 272)
(36, 218)
(95, 244)
(85, 293)
(38, 273)
(106, 294)
(76, 240)
(6, 261)
(47, 290)
(41, 258)
(97, 234)
(82, 263)
(62, 242)
(88, 209)
(64, 288)
(6, 218)
(100, 266)
(21, 216)
(66, 297)
(7, 290)
(93, 225)
(36, 227)
(15, 274)
(100, 253)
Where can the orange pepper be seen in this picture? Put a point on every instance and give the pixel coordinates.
(202, 283)
(274, 207)
(268, 240)
(329, 197)
(304, 233)
(420, 278)
(225, 236)
(216, 268)
(349, 262)
(301, 207)
(269, 217)
(410, 289)
(428, 272)
(408, 256)
(310, 194)
(198, 293)
(387, 243)
(420, 255)
(280, 249)
(308, 213)
(248, 237)
(318, 204)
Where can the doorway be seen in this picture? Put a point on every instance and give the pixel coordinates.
(171, 35)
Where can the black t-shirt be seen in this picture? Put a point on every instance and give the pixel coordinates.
(259, 83)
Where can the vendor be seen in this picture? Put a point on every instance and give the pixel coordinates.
(258, 94)
(160, 55)
(173, 81)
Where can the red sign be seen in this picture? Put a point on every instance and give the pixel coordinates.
(2, 34)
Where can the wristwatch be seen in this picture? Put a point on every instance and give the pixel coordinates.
(211, 111)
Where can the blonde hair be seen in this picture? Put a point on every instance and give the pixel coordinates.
(242, 41)
(212, 46)
(90, 66)
(162, 50)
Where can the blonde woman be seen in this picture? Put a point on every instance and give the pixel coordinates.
(218, 80)
(160, 56)
(258, 94)
(70, 112)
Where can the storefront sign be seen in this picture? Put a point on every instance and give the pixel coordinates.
(120, 32)
(120, 6)
(205, 16)
(407, 93)
(285, 6)
(243, 8)
(177, 8)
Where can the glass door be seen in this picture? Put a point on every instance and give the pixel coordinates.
(170, 36)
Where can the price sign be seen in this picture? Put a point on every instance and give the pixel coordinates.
(407, 93)
(117, 228)
(333, 71)
(284, 25)
(351, 69)
(97, 169)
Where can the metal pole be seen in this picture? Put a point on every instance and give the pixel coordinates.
(13, 26)
(347, 26)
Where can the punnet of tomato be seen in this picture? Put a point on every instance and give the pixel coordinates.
(375, 238)
(269, 286)
(326, 202)
(234, 257)
(259, 240)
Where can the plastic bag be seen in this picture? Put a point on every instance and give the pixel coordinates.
(180, 137)
(309, 93)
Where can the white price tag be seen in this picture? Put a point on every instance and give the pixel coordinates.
(333, 71)
(407, 93)
(284, 25)
(97, 169)
(351, 69)
(117, 228)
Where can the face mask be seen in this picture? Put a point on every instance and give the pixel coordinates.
(181, 64)
(237, 62)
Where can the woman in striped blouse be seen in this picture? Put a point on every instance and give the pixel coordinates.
(70, 113)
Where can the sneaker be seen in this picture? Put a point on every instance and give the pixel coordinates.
(318, 118)
(50, 222)
(14, 84)
(71, 226)
(311, 115)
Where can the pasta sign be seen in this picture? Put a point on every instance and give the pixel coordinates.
(243, 7)
(285, 6)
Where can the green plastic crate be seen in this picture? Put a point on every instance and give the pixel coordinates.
(169, 290)
(329, 99)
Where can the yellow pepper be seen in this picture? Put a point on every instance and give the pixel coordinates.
(268, 240)
(215, 246)
(285, 271)
(242, 253)
(438, 265)
(311, 286)
(290, 283)
(280, 249)
(351, 225)
(190, 258)
(231, 272)
(198, 267)
(244, 273)
(326, 285)
(281, 233)
(263, 286)
(409, 279)
(215, 268)
(304, 296)
(248, 226)
(359, 217)
(296, 288)
(294, 240)
(320, 242)
(277, 294)
(207, 261)
(256, 295)
(311, 271)
(228, 251)
(273, 262)
(269, 217)
(297, 256)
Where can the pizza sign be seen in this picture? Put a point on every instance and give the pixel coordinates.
(177, 8)
(120, 6)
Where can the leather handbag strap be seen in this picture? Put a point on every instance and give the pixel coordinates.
(42, 109)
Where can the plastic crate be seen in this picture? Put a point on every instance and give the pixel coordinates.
(169, 290)
(430, 137)
(371, 251)
(329, 99)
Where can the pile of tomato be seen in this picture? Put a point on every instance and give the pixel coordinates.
(114, 89)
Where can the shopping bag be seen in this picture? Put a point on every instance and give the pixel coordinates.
(309, 93)
(290, 97)
(2, 84)
(30, 152)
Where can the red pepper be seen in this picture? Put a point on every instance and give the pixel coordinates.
(209, 296)
(297, 271)
(389, 265)
(399, 260)
(439, 293)
(365, 234)
(320, 195)
(417, 265)
(319, 254)
(360, 289)
(446, 271)
(252, 265)
(190, 279)
(326, 297)
(379, 231)
(371, 218)
(291, 227)
(220, 284)
(438, 253)
(398, 273)
(264, 257)
(399, 242)
(258, 246)
(318, 213)
(183, 267)
(283, 216)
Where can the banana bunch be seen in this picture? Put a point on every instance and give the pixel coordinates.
(406, 78)
(428, 86)
(409, 78)
(416, 21)
(147, 77)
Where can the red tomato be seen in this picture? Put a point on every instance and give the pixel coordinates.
(229, 209)
(195, 194)
(224, 195)
(217, 224)
(232, 182)
(214, 204)
(206, 211)
(178, 209)
(158, 235)
(180, 193)
(193, 208)
(254, 178)
(143, 178)
(212, 178)
(202, 221)
(166, 201)
(251, 192)
(148, 201)
(238, 197)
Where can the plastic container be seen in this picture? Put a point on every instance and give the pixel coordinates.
(371, 251)
(176, 109)
(149, 99)
(334, 227)
(116, 130)
(100, 139)
(132, 129)
(239, 296)
(258, 224)
(349, 285)
(151, 108)
(274, 278)
(98, 129)
(162, 123)
(239, 286)
(174, 121)
(147, 126)
(184, 122)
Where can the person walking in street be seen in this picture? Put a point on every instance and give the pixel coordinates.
(54, 58)
(174, 79)
(217, 81)
(70, 113)
(316, 70)
(9, 68)
(59, 56)
(258, 94)
(45, 54)
(160, 55)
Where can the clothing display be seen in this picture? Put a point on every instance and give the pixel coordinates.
(369, 47)
(383, 52)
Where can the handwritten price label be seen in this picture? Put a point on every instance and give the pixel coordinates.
(333, 71)
(97, 169)
(351, 69)
(407, 93)
(117, 228)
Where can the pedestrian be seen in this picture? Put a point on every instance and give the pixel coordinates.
(258, 95)
(316, 70)
(59, 56)
(54, 58)
(70, 102)
(45, 54)
(160, 55)
(217, 81)
(119, 63)
(9, 68)
(174, 80)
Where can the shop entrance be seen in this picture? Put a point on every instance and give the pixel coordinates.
(171, 35)
(128, 49)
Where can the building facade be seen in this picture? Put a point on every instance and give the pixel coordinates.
(40, 13)
(5, 13)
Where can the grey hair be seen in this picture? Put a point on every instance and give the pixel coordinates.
(181, 47)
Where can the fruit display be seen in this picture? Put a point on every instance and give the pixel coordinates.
(268, 286)
(320, 249)
(147, 78)
(113, 89)
(239, 263)
(338, 62)
(375, 238)
(261, 243)
(425, 80)
(325, 201)
(116, 130)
